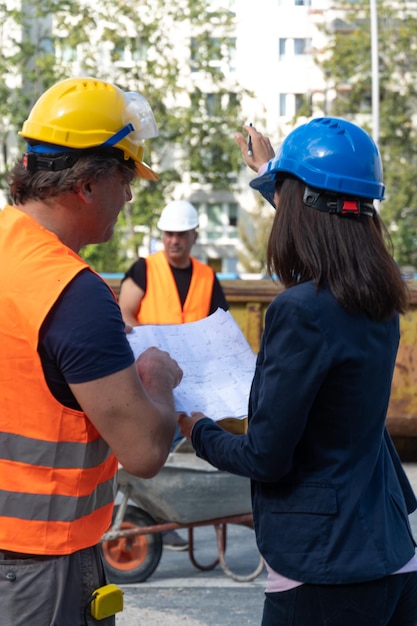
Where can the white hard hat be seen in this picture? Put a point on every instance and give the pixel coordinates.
(178, 216)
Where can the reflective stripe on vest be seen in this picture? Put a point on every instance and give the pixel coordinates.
(61, 454)
(161, 303)
(57, 476)
(55, 508)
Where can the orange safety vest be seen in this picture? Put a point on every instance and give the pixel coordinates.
(161, 303)
(57, 475)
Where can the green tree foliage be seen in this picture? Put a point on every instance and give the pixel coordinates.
(347, 66)
(133, 43)
(35, 36)
(254, 232)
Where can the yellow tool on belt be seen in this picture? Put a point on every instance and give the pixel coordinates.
(106, 601)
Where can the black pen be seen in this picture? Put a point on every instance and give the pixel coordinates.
(250, 143)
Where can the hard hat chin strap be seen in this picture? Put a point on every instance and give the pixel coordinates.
(52, 158)
(337, 204)
(121, 134)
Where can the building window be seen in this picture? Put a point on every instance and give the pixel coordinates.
(222, 219)
(213, 104)
(118, 52)
(139, 48)
(299, 101)
(292, 3)
(218, 220)
(68, 53)
(293, 47)
(129, 50)
(214, 49)
(214, 216)
(233, 210)
(283, 104)
(301, 46)
(194, 54)
(233, 100)
(290, 104)
(220, 52)
(215, 264)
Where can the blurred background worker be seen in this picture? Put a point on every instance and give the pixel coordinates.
(171, 286)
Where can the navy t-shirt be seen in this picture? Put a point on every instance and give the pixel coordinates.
(83, 337)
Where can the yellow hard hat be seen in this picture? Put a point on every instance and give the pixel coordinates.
(81, 113)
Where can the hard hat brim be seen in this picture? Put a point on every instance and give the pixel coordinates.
(265, 183)
(144, 171)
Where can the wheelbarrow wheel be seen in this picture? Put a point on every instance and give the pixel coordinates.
(132, 559)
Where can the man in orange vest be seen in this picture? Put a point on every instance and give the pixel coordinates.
(172, 287)
(74, 401)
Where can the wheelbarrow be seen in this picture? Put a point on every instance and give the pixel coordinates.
(190, 493)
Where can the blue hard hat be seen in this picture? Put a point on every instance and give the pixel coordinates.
(331, 154)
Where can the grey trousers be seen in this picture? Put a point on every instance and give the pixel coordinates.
(50, 590)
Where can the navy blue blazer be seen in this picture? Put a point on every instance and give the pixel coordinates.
(330, 498)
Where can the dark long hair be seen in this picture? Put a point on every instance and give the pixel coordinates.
(349, 254)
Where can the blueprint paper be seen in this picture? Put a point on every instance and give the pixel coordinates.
(217, 361)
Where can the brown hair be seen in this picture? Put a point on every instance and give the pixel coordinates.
(349, 254)
(92, 165)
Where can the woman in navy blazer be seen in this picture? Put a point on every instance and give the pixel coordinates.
(330, 498)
